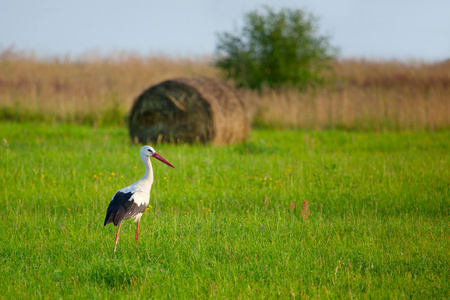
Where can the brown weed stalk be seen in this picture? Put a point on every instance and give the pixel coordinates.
(305, 210)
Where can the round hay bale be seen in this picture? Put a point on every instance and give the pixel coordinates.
(187, 110)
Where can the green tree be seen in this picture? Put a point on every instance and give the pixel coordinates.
(275, 49)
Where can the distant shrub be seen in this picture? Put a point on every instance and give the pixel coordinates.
(275, 49)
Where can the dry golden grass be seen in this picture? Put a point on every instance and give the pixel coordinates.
(87, 89)
(364, 95)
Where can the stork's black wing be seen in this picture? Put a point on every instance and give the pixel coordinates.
(118, 207)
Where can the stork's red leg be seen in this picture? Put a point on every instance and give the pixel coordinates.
(137, 231)
(117, 236)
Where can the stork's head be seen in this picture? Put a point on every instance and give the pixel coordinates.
(150, 152)
(147, 151)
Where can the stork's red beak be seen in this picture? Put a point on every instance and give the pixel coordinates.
(160, 158)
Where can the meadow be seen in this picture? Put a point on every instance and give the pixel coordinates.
(288, 214)
(341, 191)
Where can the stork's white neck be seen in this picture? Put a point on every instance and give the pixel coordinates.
(148, 176)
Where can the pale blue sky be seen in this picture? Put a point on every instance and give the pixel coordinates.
(374, 29)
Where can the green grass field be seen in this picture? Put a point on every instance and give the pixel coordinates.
(227, 222)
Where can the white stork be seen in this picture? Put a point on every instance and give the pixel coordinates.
(131, 201)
